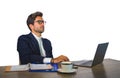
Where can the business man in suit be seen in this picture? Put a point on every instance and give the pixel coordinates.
(32, 47)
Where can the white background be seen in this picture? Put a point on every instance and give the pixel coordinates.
(75, 27)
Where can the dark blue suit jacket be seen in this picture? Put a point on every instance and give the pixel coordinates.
(28, 49)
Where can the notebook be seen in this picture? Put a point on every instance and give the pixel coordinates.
(98, 58)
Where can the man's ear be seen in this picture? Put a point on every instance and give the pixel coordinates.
(31, 26)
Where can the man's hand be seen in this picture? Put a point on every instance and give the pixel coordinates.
(59, 59)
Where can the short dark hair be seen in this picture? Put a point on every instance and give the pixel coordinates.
(31, 18)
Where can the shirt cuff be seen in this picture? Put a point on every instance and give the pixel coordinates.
(47, 60)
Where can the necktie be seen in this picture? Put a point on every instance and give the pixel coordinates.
(42, 51)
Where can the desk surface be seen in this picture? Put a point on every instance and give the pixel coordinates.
(108, 69)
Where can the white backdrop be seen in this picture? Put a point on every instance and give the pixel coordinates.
(75, 27)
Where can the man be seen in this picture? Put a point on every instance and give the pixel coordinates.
(32, 47)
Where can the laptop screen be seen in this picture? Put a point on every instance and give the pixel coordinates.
(100, 53)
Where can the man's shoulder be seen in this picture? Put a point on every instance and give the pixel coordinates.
(46, 40)
(25, 36)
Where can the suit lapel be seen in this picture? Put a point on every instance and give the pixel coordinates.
(34, 43)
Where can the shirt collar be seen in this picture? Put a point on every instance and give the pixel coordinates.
(36, 36)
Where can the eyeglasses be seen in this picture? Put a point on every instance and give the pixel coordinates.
(40, 21)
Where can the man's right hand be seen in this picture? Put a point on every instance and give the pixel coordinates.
(59, 59)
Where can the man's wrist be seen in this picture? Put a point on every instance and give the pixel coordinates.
(52, 60)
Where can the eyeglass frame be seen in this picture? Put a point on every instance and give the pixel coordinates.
(40, 21)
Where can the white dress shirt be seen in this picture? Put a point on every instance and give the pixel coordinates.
(39, 39)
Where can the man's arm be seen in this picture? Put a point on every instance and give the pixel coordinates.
(28, 53)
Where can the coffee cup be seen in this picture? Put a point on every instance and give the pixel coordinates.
(66, 66)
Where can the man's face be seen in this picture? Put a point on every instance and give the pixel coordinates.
(38, 26)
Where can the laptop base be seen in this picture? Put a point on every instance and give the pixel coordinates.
(83, 63)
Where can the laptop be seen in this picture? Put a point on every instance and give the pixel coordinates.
(98, 58)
